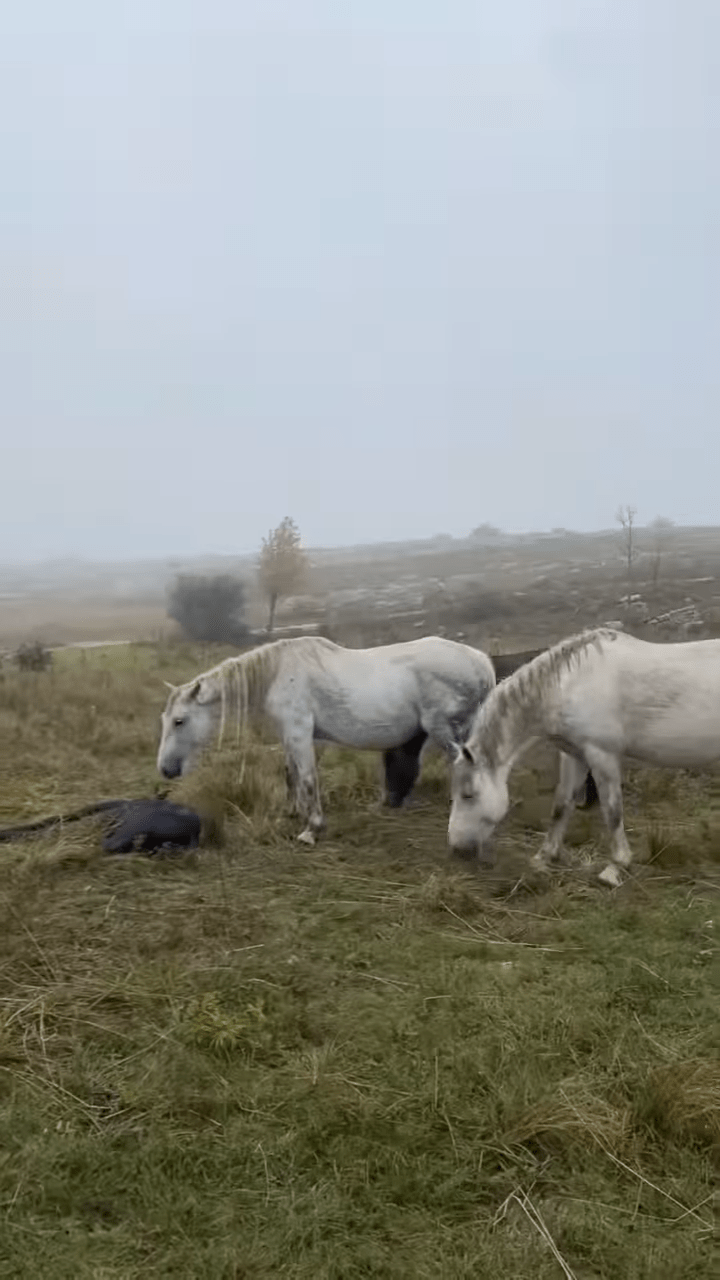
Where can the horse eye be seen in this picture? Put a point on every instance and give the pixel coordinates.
(179, 722)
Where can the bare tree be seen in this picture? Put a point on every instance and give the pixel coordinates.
(283, 565)
(625, 517)
(661, 529)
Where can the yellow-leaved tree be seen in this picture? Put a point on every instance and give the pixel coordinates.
(283, 565)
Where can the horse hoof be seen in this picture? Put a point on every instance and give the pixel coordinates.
(306, 837)
(610, 876)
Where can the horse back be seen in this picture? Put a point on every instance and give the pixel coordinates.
(654, 702)
(449, 659)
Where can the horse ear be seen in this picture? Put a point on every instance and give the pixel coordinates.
(171, 687)
(467, 755)
(202, 692)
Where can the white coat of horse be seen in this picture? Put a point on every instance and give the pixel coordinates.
(314, 690)
(600, 697)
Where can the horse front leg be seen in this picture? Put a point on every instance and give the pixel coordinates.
(303, 769)
(569, 790)
(309, 806)
(608, 777)
(291, 785)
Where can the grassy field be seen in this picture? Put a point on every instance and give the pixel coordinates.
(359, 1060)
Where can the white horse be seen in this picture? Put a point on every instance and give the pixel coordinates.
(599, 697)
(312, 689)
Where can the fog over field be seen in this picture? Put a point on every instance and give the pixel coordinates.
(496, 590)
(395, 269)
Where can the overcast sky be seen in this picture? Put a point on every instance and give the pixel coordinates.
(392, 267)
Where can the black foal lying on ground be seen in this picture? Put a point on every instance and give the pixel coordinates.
(142, 825)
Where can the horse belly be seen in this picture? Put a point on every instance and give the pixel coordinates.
(365, 728)
(370, 718)
(670, 708)
(675, 741)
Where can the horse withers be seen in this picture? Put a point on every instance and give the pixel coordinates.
(393, 696)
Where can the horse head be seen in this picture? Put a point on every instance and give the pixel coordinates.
(188, 722)
(480, 801)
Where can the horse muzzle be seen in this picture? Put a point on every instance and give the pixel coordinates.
(170, 768)
(462, 839)
(468, 847)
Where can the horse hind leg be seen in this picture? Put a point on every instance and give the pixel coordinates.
(445, 730)
(569, 790)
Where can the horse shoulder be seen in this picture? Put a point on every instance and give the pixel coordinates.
(290, 681)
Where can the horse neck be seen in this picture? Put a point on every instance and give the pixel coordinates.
(244, 682)
(516, 714)
(508, 729)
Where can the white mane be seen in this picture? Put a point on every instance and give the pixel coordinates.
(512, 707)
(242, 682)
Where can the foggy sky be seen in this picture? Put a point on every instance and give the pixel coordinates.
(392, 267)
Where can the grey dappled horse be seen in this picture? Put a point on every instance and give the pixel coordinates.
(315, 691)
